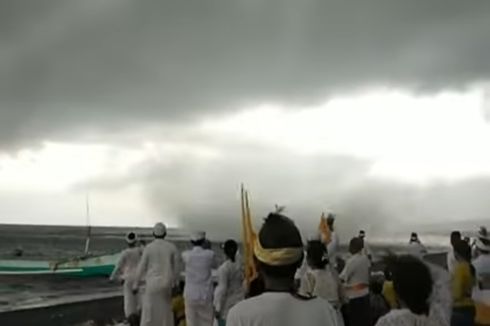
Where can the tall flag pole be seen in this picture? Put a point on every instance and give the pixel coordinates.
(249, 238)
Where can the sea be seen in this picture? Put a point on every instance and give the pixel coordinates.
(54, 243)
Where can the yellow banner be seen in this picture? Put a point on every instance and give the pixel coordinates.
(249, 238)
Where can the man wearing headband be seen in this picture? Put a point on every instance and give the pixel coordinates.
(279, 252)
(198, 292)
(125, 271)
(481, 293)
(159, 267)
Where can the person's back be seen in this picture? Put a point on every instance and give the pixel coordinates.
(159, 267)
(413, 283)
(282, 309)
(323, 283)
(230, 286)
(160, 262)
(198, 274)
(130, 259)
(481, 292)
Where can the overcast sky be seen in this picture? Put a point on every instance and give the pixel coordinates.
(377, 110)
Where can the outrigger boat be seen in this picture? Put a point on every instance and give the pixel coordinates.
(83, 266)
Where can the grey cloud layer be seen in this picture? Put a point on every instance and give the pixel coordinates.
(75, 67)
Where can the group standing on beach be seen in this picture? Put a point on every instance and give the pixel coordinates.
(303, 286)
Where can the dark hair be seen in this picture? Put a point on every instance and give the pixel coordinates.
(160, 236)
(455, 236)
(230, 248)
(198, 243)
(356, 244)
(412, 282)
(316, 254)
(278, 231)
(376, 285)
(463, 250)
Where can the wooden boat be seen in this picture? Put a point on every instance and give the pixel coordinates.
(79, 267)
(84, 266)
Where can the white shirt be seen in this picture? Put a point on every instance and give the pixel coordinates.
(127, 265)
(367, 249)
(160, 264)
(333, 247)
(282, 309)
(199, 265)
(230, 289)
(482, 269)
(300, 273)
(416, 249)
(356, 272)
(404, 317)
(323, 283)
(440, 299)
(451, 260)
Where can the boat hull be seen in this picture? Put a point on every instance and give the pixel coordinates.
(80, 267)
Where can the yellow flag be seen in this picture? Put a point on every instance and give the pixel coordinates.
(325, 232)
(249, 237)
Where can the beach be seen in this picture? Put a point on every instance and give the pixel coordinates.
(60, 300)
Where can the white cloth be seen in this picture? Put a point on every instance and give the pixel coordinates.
(450, 260)
(125, 270)
(300, 273)
(160, 267)
(356, 272)
(482, 269)
(199, 313)
(325, 284)
(281, 309)
(367, 249)
(198, 292)
(417, 249)
(404, 317)
(440, 299)
(333, 248)
(230, 289)
(199, 264)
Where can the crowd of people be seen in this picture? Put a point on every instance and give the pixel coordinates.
(304, 285)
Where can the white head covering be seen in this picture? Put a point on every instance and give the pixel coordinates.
(197, 236)
(480, 245)
(483, 239)
(159, 229)
(131, 238)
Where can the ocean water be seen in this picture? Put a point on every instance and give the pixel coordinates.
(58, 243)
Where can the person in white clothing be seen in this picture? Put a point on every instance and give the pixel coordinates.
(481, 292)
(278, 251)
(333, 245)
(355, 277)
(230, 289)
(321, 279)
(198, 292)
(415, 246)
(413, 285)
(125, 272)
(159, 267)
(451, 258)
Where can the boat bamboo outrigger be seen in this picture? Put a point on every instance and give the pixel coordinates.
(83, 266)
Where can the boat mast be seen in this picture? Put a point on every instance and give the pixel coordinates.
(87, 240)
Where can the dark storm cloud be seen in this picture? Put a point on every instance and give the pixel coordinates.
(88, 67)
